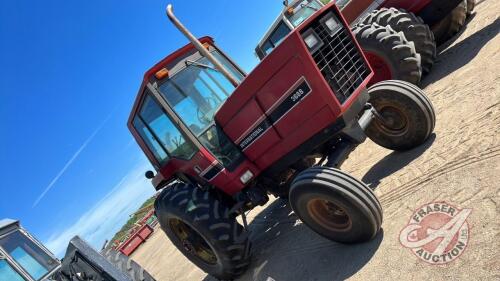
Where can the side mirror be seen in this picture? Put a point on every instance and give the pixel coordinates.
(150, 175)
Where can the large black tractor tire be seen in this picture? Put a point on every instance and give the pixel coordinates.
(204, 229)
(127, 265)
(471, 4)
(408, 115)
(389, 53)
(451, 24)
(414, 29)
(336, 205)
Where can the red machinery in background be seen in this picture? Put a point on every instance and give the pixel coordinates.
(140, 235)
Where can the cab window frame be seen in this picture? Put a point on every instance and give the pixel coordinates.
(281, 23)
(33, 246)
(169, 155)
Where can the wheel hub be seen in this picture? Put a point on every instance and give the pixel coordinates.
(192, 242)
(394, 122)
(188, 246)
(329, 215)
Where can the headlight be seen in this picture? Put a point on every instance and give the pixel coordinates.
(312, 40)
(246, 177)
(331, 23)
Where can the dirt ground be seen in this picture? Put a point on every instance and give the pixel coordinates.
(460, 164)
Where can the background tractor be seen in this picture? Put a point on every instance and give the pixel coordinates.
(24, 258)
(221, 141)
(398, 37)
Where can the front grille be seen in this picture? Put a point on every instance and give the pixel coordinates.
(340, 61)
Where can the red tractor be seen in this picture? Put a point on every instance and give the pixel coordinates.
(398, 36)
(222, 141)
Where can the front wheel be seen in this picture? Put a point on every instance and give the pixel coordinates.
(204, 229)
(406, 115)
(336, 205)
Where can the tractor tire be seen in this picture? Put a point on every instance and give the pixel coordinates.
(414, 29)
(471, 4)
(127, 265)
(408, 113)
(389, 53)
(451, 24)
(336, 205)
(204, 229)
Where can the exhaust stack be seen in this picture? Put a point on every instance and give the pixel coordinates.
(218, 65)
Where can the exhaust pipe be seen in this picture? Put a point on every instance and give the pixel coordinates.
(197, 44)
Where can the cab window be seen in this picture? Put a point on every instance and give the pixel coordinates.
(153, 144)
(302, 11)
(195, 94)
(275, 38)
(163, 138)
(7, 273)
(36, 262)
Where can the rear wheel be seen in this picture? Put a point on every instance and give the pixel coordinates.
(408, 115)
(127, 265)
(414, 29)
(451, 24)
(336, 205)
(204, 229)
(389, 53)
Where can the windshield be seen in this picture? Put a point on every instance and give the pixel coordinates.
(28, 255)
(195, 94)
(302, 11)
(275, 38)
(342, 3)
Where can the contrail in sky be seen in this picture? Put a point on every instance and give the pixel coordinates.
(71, 160)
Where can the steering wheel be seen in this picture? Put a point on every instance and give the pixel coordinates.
(206, 118)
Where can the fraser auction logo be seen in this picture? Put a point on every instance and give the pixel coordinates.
(437, 233)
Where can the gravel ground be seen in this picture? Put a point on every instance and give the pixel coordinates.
(460, 164)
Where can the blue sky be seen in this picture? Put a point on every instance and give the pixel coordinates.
(69, 72)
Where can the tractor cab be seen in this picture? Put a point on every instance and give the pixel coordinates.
(173, 117)
(22, 257)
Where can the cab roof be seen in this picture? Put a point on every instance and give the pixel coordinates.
(4, 223)
(161, 64)
(174, 56)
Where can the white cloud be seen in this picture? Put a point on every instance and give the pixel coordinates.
(108, 215)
